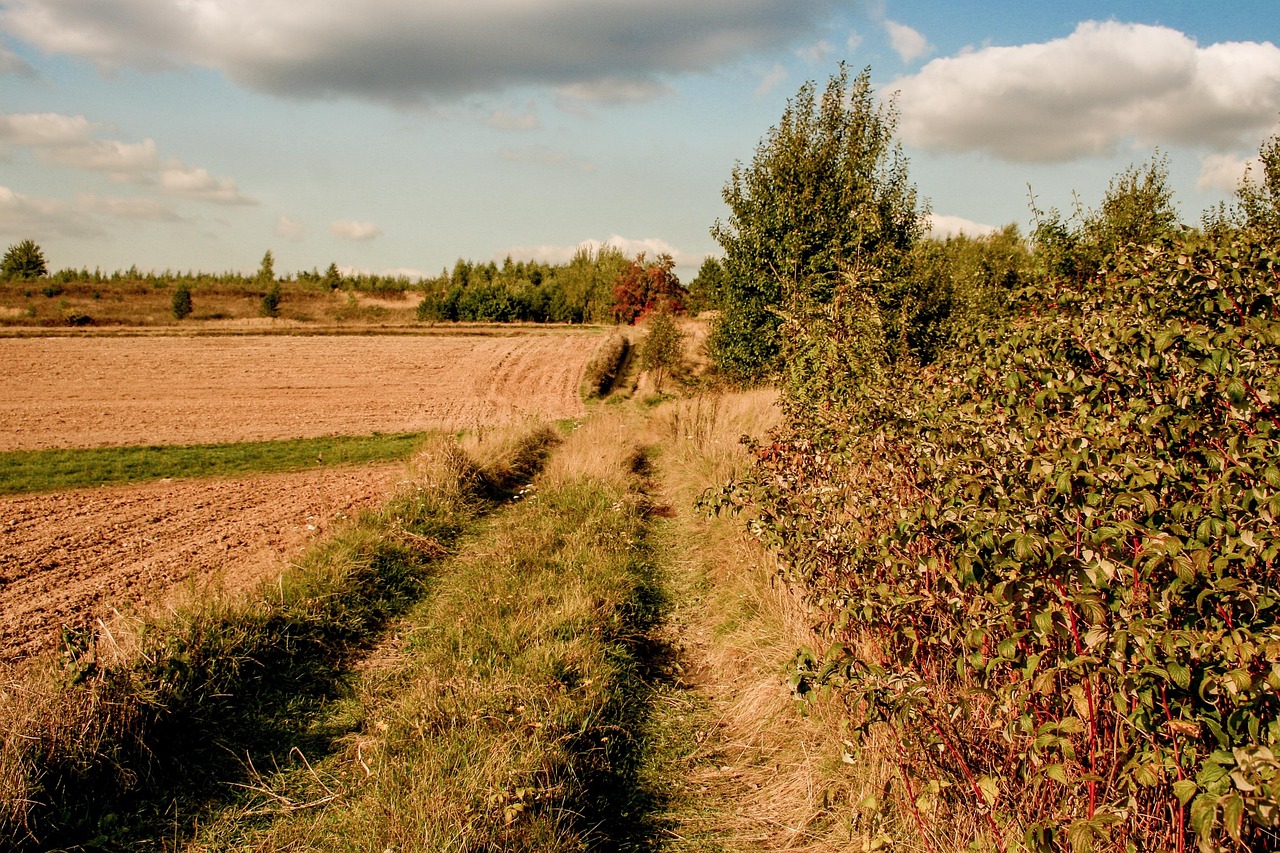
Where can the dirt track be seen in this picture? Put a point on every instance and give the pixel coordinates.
(89, 392)
(70, 558)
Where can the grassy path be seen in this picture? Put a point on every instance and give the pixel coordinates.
(592, 665)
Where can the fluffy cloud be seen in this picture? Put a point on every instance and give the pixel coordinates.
(942, 227)
(349, 229)
(408, 51)
(289, 229)
(1086, 94)
(27, 216)
(69, 141)
(150, 209)
(906, 42)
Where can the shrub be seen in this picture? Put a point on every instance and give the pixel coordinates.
(271, 301)
(24, 260)
(181, 303)
(663, 349)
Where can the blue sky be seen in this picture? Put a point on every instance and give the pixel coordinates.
(398, 135)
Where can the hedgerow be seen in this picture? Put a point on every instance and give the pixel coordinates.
(1047, 564)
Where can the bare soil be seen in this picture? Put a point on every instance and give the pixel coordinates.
(100, 391)
(73, 558)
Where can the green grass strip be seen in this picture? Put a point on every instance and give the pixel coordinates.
(52, 470)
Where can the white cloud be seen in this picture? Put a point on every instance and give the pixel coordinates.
(154, 210)
(613, 91)
(941, 227)
(121, 160)
(1224, 172)
(909, 44)
(349, 229)
(771, 80)
(289, 229)
(411, 273)
(853, 42)
(27, 216)
(1087, 94)
(70, 141)
(408, 51)
(196, 182)
(816, 54)
(545, 156)
(508, 119)
(44, 129)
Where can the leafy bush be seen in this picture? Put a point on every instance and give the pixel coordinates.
(181, 304)
(1048, 565)
(271, 301)
(23, 260)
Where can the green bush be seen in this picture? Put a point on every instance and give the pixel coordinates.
(181, 304)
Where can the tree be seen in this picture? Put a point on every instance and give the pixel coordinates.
(181, 304)
(271, 301)
(663, 347)
(641, 288)
(826, 191)
(267, 269)
(1258, 196)
(24, 260)
(706, 291)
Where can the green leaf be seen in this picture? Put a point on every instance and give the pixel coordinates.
(1184, 790)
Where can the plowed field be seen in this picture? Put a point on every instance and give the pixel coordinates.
(71, 558)
(94, 391)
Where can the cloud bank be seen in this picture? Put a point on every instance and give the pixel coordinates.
(1105, 85)
(408, 51)
(70, 141)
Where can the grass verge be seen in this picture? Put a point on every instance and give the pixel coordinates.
(55, 470)
(126, 730)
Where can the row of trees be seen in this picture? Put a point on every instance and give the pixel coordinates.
(1028, 486)
(595, 286)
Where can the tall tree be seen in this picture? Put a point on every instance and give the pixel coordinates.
(827, 191)
(24, 260)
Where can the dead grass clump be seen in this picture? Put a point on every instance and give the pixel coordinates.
(606, 365)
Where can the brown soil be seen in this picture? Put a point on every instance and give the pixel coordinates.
(73, 558)
(96, 391)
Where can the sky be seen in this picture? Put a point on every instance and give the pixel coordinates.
(396, 136)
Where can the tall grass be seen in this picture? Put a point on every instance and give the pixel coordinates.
(508, 711)
(131, 722)
(56, 470)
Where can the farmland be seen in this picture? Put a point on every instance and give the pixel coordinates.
(71, 557)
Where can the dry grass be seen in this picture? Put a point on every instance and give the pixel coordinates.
(766, 773)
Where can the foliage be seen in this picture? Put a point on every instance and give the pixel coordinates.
(1137, 208)
(644, 287)
(662, 352)
(707, 290)
(1045, 565)
(23, 260)
(526, 291)
(181, 304)
(1258, 196)
(826, 190)
(267, 269)
(271, 301)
